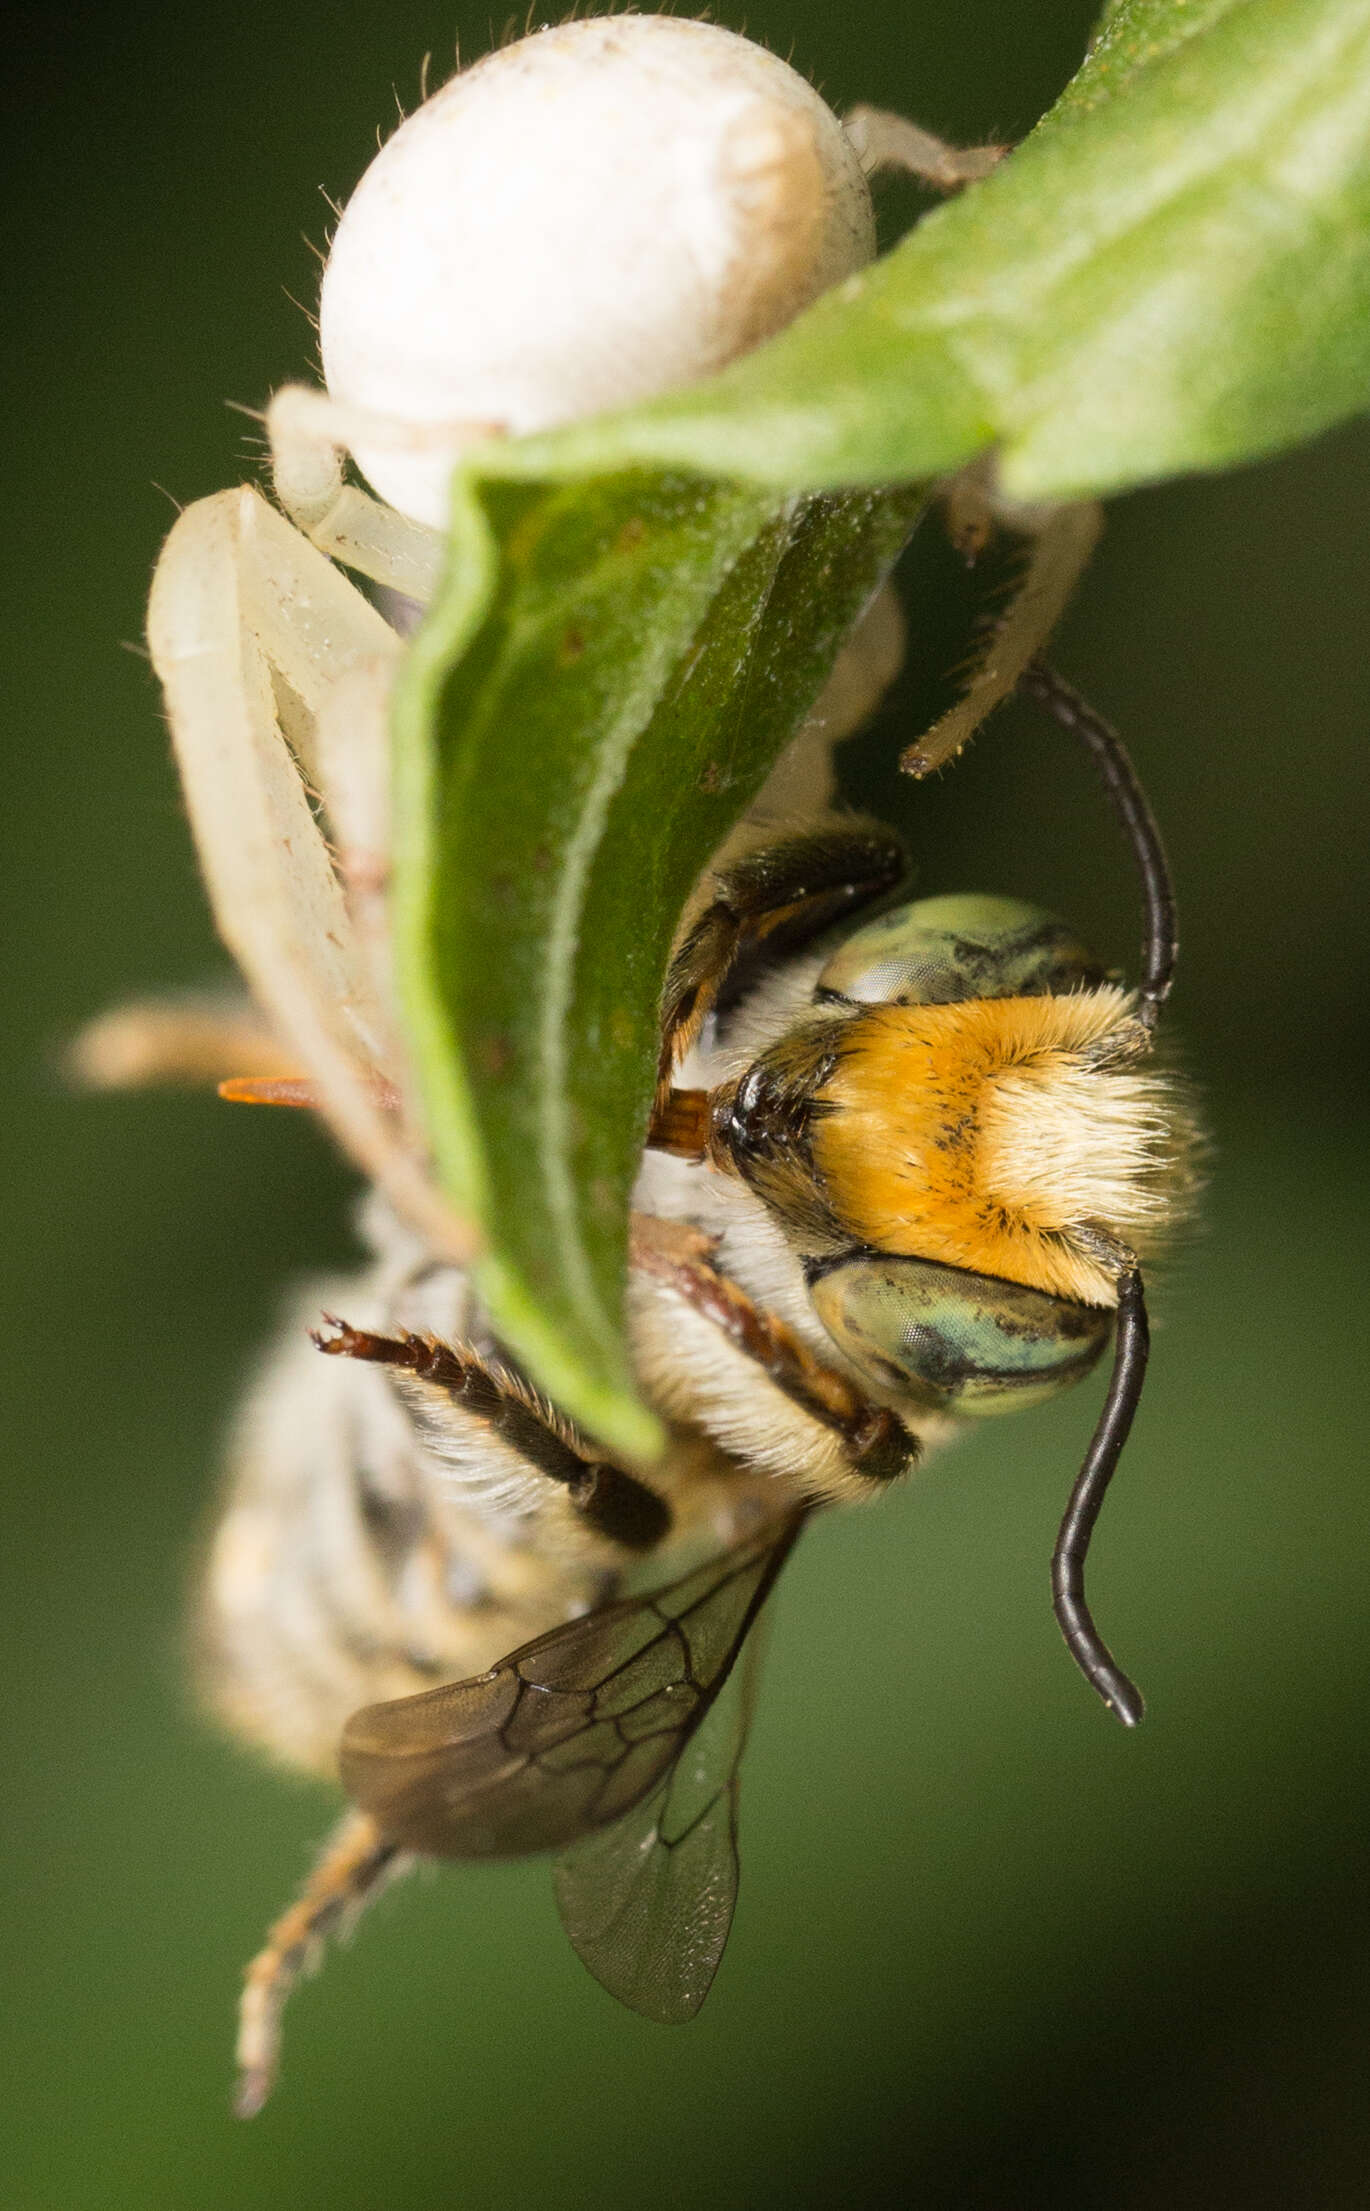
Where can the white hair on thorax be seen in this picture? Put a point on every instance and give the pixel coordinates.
(1082, 1132)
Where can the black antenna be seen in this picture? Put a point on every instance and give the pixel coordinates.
(1132, 1342)
(1160, 943)
(1083, 1640)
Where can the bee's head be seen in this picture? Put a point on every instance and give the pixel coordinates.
(964, 1139)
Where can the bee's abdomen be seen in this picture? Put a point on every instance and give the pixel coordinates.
(345, 1567)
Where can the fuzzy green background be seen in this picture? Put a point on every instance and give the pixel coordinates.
(990, 1951)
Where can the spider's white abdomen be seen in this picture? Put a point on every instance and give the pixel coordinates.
(598, 213)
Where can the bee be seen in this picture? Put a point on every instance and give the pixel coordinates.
(905, 1163)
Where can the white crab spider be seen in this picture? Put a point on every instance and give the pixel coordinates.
(589, 217)
(584, 218)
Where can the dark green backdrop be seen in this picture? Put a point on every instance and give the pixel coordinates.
(990, 1950)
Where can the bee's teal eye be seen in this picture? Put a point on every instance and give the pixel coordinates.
(940, 950)
(967, 1343)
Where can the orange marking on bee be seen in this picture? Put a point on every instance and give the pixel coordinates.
(680, 1124)
(278, 1090)
(294, 1090)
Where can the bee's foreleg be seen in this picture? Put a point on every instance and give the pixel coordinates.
(860, 1445)
(611, 1501)
(355, 1862)
(787, 891)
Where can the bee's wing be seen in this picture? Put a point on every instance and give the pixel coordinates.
(607, 1733)
(648, 1902)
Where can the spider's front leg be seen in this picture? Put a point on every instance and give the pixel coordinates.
(309, 434)
(276, 673)
(1057, 542)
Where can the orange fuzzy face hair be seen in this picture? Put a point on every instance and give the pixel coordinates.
(1003, 1134)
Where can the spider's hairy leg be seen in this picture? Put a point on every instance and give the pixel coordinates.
(308, 434)
(252, 631)
(887, 141)
(354, 1864)
(777, 896)
(841, 1446)
(609, 1500)
(1058, 542)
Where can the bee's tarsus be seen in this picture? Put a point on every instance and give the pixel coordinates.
(347, 1343)
(277, 1090)
(680, 1124)
(361, 1343)
(877, 1445)
(355, 1860)
(883, 1448)
(608, 1498)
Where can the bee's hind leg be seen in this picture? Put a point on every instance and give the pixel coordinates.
(354, 1865)
(608, 1499)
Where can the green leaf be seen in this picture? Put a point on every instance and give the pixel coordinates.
(1171, 273)
(598, 694)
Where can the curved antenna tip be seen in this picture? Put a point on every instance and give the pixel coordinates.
(1083, 1640)
(1124, 1700)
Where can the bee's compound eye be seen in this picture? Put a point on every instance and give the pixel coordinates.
(938, 951)
(965, 1343)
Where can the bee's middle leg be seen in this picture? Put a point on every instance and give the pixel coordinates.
(858, 1446)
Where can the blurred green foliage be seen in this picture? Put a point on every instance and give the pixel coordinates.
(990, 1951)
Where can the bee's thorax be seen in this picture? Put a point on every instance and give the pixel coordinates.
(1001, 1135)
